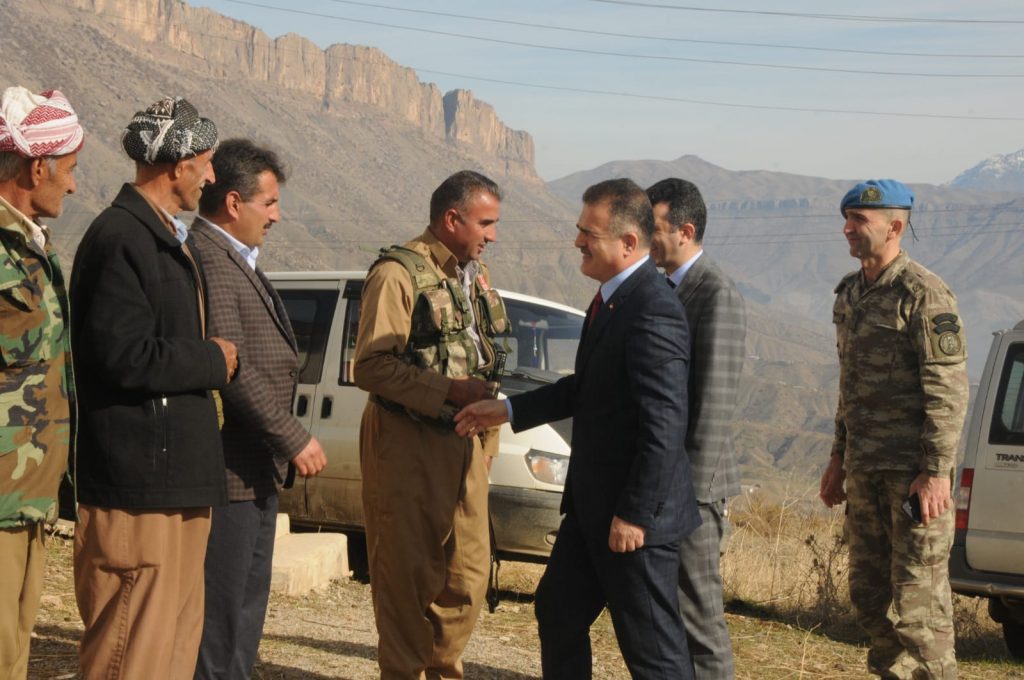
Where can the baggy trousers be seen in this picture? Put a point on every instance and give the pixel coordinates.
(22, 562)
(899, 579)
(425, 504)
(139, 585)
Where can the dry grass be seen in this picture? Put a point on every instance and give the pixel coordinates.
(788, 615)
(786, 563)
(788, 558)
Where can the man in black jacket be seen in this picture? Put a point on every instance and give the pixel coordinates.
(628, 498)
(149, 463)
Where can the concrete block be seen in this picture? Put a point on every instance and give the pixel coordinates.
(305, 562)
(284, 525)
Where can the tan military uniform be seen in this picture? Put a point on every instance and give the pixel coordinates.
(424, 488)
(902, 400)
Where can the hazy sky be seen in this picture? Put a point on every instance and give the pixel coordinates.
(576, 130)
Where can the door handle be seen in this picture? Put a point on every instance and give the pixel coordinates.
(301, 405)
(326, 406)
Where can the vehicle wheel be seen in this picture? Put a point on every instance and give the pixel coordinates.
(1013, 634)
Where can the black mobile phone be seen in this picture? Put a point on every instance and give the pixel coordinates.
(912, 506)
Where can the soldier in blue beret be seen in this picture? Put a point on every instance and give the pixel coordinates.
(878, 193)
(902, 401)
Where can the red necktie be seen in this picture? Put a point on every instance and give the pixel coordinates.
(595, 307)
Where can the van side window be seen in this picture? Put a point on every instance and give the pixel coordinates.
(1008, 423)
(540, 337)
(353, 291)
(311, 313)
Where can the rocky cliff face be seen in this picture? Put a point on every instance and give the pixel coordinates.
(470, 121)
(338, 76)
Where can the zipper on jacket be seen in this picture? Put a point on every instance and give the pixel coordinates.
(160, 416)
(163, 423)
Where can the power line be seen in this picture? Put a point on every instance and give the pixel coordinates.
(731, 105)
(627, 55)
(620, 94)
(728, 43)
(812, 15)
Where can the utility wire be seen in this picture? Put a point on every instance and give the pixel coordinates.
(612, 93)
(627, 55)
(695, 41)
(731, 105)
(812, 15)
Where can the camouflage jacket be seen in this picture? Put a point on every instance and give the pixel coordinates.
(35, 375)
(902, 371)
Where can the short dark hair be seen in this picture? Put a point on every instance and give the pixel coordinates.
(237, 166)
(12, 164)
(628, 204)
(685, 204)
(455, 191)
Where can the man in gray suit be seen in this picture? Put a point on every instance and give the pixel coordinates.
(261, 437)
(715, 313)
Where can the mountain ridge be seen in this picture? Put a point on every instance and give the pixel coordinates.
(1001, 172)
(338, 75)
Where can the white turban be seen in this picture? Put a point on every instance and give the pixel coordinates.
(37, 125)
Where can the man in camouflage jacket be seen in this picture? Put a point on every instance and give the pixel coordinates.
(39, 141)
(902, 400)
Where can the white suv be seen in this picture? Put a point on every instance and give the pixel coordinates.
(987, 559)
(527, 476)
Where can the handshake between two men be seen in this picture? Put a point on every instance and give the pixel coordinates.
(480, 412)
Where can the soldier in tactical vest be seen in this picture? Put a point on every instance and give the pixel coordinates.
(902, 400)
(424, 348)
(39, 141)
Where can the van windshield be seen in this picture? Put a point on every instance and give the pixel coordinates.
(541, 341)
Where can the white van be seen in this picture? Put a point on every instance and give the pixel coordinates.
(526, 477)
(987, 559)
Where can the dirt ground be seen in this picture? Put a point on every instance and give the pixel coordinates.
(330, 635)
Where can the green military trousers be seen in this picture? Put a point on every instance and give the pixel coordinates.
(899, 578)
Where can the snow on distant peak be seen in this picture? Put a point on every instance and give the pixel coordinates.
(996, 173)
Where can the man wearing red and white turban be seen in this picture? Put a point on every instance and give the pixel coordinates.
(39, 141)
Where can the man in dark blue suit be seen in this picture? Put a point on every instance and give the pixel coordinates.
(628, 497)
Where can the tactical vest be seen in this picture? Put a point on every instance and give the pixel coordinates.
(439, 338)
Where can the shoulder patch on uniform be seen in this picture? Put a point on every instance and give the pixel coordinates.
(949, 343)
(945, 323)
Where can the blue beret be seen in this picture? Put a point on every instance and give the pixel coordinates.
(878, 193)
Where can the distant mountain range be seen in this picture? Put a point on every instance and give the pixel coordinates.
(779, 235)
(996, 173)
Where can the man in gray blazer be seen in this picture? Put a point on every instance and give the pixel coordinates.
(715, 313)
(261, 437)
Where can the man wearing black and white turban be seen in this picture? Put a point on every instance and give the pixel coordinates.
(149, 463)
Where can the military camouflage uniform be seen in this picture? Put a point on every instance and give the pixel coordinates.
(902, 400)
(36, 376)
(35, 424)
